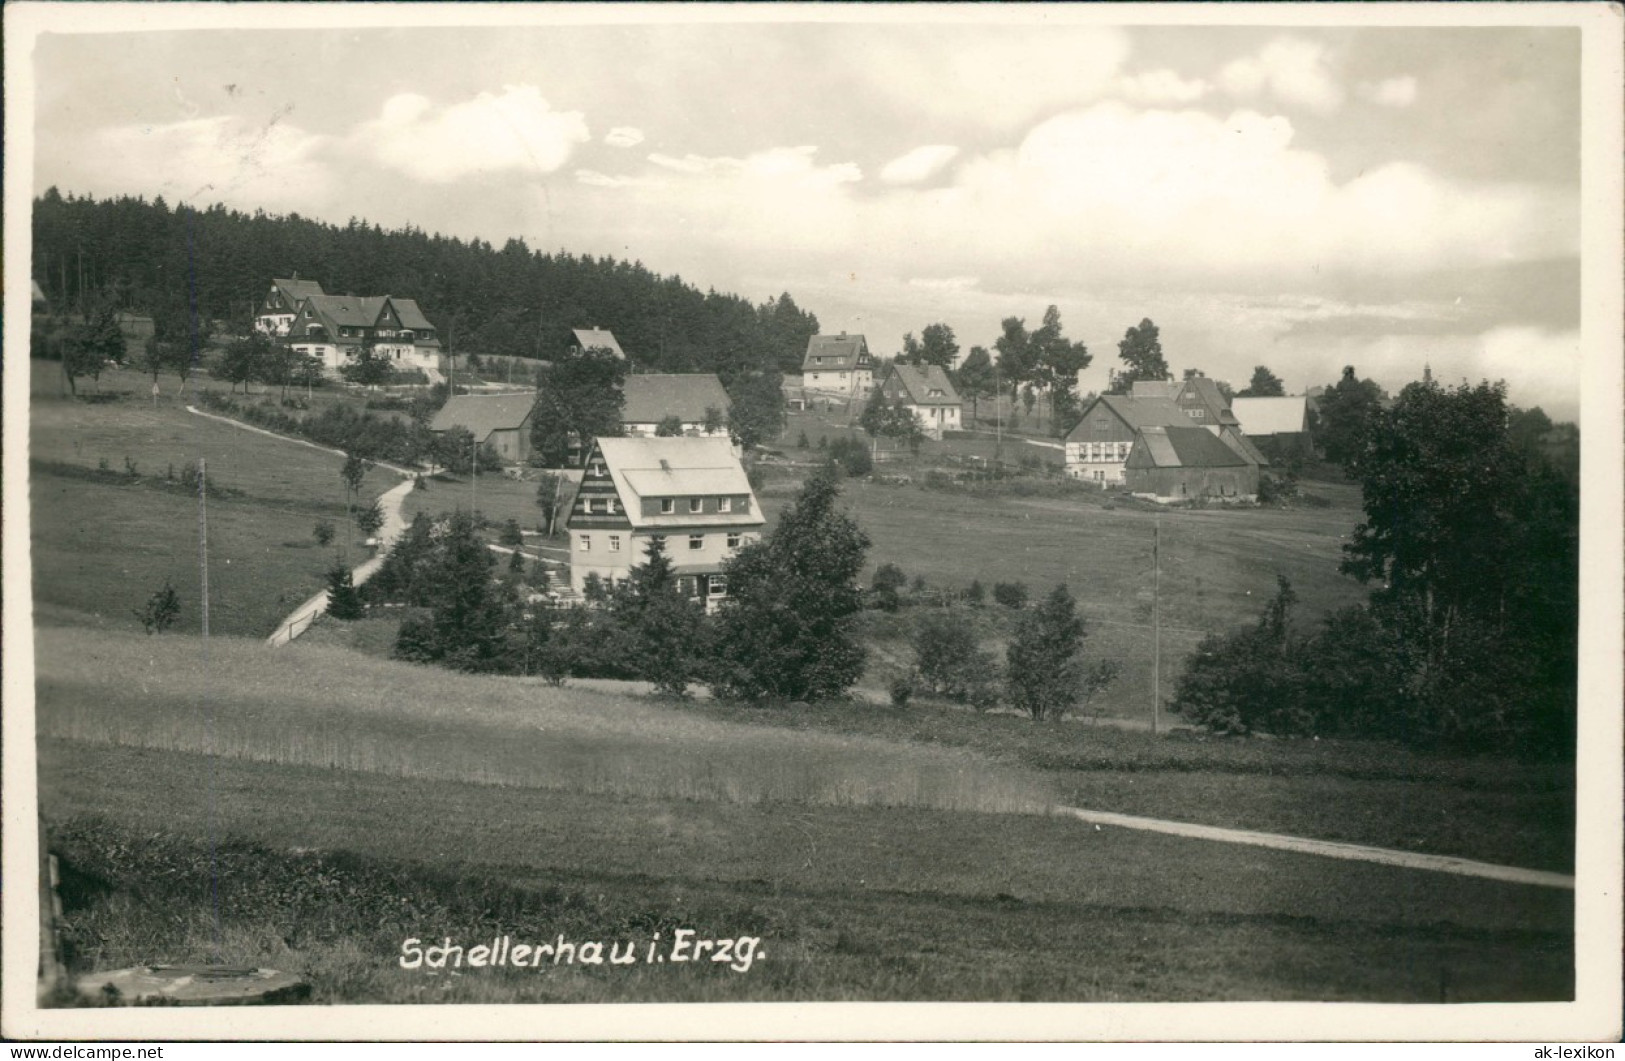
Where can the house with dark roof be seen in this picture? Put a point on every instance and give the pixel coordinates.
(690, 493)
(838, 365)
(927, 390)
(1181, 463)
(596, 338)
(499, 420)
(281, 304)
(696, 399)
(1098, 446)
(336, 328)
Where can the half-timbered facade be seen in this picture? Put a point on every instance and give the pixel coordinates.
(1098, 447)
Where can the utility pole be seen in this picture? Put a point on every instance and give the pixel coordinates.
(998, 418)
(203, 540)
(473, 474)
(1156, 625)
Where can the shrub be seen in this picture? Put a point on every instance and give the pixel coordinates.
(324, 532)
(975, 594)
(889, 578)
(511, 534)
(1042, 667)
(161, 611)
(852, 455)
(1010, 594)
(948, 658)
(901, 690)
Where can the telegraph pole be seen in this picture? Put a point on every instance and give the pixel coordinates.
(203, 540)
(1156, 625)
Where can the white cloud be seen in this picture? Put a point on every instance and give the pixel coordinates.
(1161, 87)
(1293, 70)
(515, 131)
(1392, 92)
(944, 283)
(274, 165)
(623, 136)
(605, 180)
(999, 78)
(918, 165)
(790, 167)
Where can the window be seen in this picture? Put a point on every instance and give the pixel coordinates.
(614, 543)
(658, 539)
(724, 504)
(1196, 414)
(695, 504)
(1103, 424)
(719, 585)
(586, 543)
(668, 505)
(733, 541)
(598, 506)
(611, 504)
(696, 541)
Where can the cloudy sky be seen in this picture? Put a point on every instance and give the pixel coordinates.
(1297, 197)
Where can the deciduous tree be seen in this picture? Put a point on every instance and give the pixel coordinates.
(786, 629)
(1141, 352)
(578, 400)
(1264, 384)
(1043, 671)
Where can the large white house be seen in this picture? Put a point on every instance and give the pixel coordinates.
(336, 328)
(838, 365)
(691, 493)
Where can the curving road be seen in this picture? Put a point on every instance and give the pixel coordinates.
(299, 620)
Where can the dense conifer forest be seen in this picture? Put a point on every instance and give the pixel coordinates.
(212, 264)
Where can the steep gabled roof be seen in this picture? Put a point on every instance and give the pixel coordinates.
(296, 290)
(1203, 389)
(835, 353)
(344, 311)
(677, 467)
(590, 338)
(483, 413)
(1134, 412)
(408, 312)
(925, 384)
(1272, 416)
(1182, 447)
(651, 398)
(1236, 440)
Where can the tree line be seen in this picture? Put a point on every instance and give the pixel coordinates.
(188, 267)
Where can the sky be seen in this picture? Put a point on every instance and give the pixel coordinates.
(1293, 196)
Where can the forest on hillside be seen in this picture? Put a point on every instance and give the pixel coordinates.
(184, 265)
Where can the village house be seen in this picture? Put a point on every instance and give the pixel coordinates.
(838, 366)
(1181, 463)
(335, 329)
(500, 420)
(689, 493)
(1098, 447)
(696, 399)
(596, 338)
(927, 391)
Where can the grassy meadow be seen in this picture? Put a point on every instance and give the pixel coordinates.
(377, 801)
(310, 808)
(104, 540)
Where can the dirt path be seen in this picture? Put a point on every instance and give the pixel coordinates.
(299, 620)
(195, 411)
(1329, 848)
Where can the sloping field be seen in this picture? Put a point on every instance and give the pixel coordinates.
(379, 716)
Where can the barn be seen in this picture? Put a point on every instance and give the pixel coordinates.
(1184, 463)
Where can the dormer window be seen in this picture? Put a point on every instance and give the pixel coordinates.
(668, 505)
(724, 504)
(695, 504)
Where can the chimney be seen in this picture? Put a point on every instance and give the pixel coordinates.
(664, 466)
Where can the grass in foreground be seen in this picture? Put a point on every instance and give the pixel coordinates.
(326, 872)
(379, 716)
